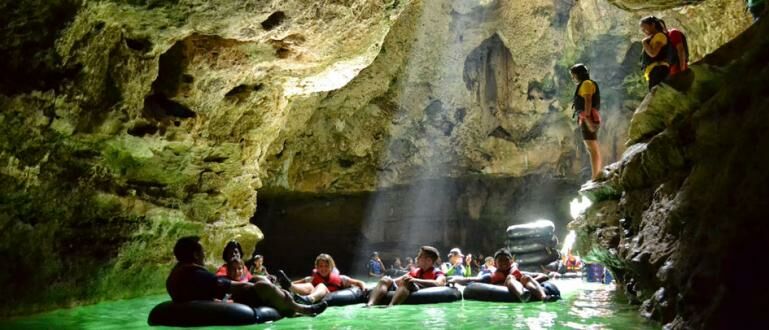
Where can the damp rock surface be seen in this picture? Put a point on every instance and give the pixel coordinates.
(128, 124)
(692, 196)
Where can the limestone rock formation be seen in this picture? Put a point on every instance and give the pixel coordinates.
(689, 216)
(127, 124)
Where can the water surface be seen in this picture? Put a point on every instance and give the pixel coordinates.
(585, 306)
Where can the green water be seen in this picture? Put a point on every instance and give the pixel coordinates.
(585, 306)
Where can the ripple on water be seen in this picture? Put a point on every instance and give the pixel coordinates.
(585, 306)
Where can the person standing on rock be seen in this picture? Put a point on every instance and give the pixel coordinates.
(656, 51)
(587, 102)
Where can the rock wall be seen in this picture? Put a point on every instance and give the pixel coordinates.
(127, 124)
(679, 218)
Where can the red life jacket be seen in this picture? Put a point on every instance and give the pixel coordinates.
(430, 274)
(498, 277)
(333, 282)
(222, 272)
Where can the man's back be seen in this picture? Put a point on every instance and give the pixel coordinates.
(193, 282)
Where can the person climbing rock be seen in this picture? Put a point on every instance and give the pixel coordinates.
(656, 51)
(587, 102)
(756, 8)
(189, 280)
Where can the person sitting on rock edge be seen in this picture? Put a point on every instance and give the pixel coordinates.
(425, 275)
(508, 275)
(325, 279)
(189, 280)
(656, 48)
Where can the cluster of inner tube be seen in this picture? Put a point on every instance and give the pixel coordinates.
(533, 244)
(207, 313)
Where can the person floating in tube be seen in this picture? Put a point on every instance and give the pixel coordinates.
(424, 276)
(507, 274)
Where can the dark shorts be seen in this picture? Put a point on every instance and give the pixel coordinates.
(657, 75)
(249, 297)
(587, 135)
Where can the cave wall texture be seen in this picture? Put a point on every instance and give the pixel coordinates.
(680, 217)
(127, 124)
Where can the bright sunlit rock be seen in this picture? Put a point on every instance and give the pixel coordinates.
(578, 205)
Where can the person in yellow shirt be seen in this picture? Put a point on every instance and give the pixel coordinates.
(656, 49)
(587, 102)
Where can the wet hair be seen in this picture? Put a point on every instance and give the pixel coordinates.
(656, 22)
(430, 252)
(503, 253)
(581, 71)
(327, 258)
(231, 246)
(186, 248)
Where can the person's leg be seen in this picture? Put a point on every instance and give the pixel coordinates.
(534, 287)
(401, 294)
(265, 294)
(516, 288)
(379, 291)
(595, 157)
(657, 75)
(318, 293)
(302, 288)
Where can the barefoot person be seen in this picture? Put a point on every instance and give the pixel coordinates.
(424, 276)
(189, 280)
(587, 102)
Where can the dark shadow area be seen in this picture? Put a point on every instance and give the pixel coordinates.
(473, 215)
(29, 31)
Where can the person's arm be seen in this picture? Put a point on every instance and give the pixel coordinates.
(349, 281)
(307, 279)
(588, 102)
(465, 280)
(440, 281)
(682, 60)
(652, 46)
